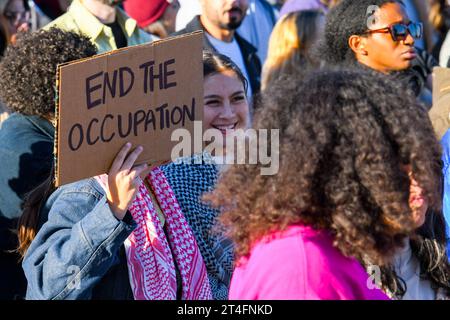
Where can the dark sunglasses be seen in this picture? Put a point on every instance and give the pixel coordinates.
(399, 31)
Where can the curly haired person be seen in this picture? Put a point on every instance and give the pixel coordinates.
(359, 163)
(378, 35)
(27, 86)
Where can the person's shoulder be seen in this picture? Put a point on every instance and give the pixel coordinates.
(305, 245)
(21, 130)
(193, 25)
(280, 245)
(85, 188)
(276, 268)
(65, 22)
(340, 277)
(244, 44)
(321, 251)
(179, 33)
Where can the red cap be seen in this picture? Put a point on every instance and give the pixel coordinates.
(145, 12)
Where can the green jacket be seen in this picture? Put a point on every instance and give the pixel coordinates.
(80, 20)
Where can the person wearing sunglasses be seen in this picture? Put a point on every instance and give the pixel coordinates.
(378, 35)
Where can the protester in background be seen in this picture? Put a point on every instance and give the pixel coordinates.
(381, 40)
(219, 21)
(104, 22)
(440, 20)
(155, 17)
(349, 142)
(257, 26)
(27, 85)
(14, 18)
(95, 223)
(386, 44)
(290, 44)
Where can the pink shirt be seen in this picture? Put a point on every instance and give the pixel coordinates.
(300, 263)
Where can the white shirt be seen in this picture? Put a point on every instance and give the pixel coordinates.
(231, 50)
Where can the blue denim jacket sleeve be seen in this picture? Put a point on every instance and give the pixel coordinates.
(445, 142)
(76, 246)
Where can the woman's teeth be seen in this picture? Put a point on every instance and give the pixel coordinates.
(225, 127)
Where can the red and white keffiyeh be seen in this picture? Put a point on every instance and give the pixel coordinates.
(149, 255)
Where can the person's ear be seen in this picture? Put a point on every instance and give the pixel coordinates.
(358, 44)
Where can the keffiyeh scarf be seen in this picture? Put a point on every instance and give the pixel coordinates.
(150, 260)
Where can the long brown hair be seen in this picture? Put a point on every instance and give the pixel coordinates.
(28, 223)
(343, 137)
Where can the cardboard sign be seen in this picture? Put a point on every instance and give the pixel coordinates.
(440, 112)
(139, 94)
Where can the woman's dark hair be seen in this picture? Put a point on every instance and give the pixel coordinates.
(344, 136)
(216, 63)
(348, 18)
(28, 222)
(28, 69)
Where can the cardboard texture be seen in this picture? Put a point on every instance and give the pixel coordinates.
(440, 112)
(139, 94)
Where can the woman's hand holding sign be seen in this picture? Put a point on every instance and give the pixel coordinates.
(124, 180)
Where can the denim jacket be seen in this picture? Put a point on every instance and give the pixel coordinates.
(445, 142)
(78, 252)
(77, 245)
(26, 157)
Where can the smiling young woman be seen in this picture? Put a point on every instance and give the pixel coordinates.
(226, 105)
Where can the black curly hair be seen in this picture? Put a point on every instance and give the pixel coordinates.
(348, 18)
(344, 135)
(28, 69)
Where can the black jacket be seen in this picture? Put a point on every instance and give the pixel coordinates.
(251, 60)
